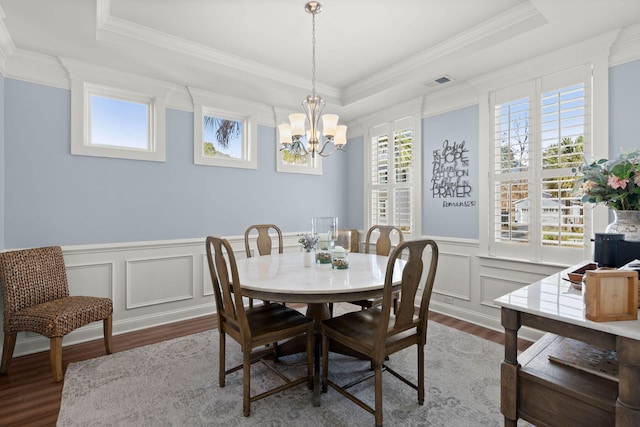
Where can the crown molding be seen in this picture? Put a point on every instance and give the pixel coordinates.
(627, 46)
(7, 48)
(36, 68)
(264, 113)
(121, 32)
(511, 23)
(83, 71)
(577, 54)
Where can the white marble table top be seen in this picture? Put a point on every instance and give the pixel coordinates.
(555, 298)
(285, 274)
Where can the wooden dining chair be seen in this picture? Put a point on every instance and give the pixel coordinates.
(382, 247)
(252, 327)
(263, 242)
(376, 333)
(36, 299)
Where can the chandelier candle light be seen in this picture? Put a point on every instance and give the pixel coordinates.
(291, 134)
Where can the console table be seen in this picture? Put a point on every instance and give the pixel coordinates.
(547, 393)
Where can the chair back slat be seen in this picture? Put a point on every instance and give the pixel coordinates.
(226, 284)
(413, 279)
(32, 276)
(383, 243)
(263, 241)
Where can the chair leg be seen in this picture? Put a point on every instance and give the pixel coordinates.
(7, 351)
(378, 397)
(246, 383)
(55, 354)
(420, 374)
(107, 326)
(222, 366)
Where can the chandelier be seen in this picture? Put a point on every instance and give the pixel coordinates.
(292, 134)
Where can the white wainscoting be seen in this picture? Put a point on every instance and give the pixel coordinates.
(154, 283)
(150, 283)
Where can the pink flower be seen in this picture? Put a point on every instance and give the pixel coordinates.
(615, 182)
(588, 186)
(637, 178)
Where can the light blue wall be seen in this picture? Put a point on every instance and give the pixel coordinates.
(624, 107)
(48, 196)
(455, 213)
(52, 197)
(355, 184)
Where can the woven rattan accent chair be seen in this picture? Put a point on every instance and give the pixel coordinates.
(383, 247)
(376, 333)
(36, 299)
(253, 327)
(263, 242)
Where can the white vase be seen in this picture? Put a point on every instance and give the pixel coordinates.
(307, 258)
(627, 223)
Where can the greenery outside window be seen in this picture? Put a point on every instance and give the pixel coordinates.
(222, 136)
(540, 134)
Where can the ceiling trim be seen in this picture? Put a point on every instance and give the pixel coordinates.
(509, 24)
(558, 60)
(121, 32)
(7, 48)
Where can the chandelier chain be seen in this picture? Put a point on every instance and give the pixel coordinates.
(313, 54)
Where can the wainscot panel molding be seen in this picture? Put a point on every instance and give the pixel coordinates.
(153, 281)
(457, 271)
(160, 282)
(150, 283)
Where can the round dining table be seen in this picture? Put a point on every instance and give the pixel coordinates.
(284, 278)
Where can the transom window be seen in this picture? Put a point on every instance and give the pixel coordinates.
(116, 122)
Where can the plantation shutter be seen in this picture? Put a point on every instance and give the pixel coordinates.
(392, 175)
(540, 130)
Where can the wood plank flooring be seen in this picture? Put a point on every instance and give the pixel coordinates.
(29, 397)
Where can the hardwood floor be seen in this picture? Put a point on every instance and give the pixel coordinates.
(29, 397)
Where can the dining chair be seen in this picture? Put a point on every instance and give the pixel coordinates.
(252, 327)
(376, 333)
(263, 242)
(383, 247)
(36, 299)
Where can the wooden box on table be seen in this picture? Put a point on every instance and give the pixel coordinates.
(611, 295)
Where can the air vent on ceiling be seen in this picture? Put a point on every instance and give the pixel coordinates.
(439, 81)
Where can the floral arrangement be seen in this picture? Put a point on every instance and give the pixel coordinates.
(616, 183)
(308, 241)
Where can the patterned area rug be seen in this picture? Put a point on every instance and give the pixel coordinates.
(174, 383)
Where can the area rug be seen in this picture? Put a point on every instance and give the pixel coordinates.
(175, 383)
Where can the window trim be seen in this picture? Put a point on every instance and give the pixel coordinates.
(411, 110)
(208, 103)
(87, 80)
(249, 152)
(595, 127)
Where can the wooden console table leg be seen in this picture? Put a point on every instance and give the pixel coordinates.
(509, 368)
(628, 403)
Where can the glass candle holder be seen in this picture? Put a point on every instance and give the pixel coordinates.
(326, 230)
(340, 258)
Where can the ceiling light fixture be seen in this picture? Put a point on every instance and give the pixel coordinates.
(292, 134)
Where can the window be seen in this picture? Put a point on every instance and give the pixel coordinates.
(119, 123)
(115, 114)
(288, 161)
(540, 132)
(116, 123)
(223, 137)
(393, 162)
